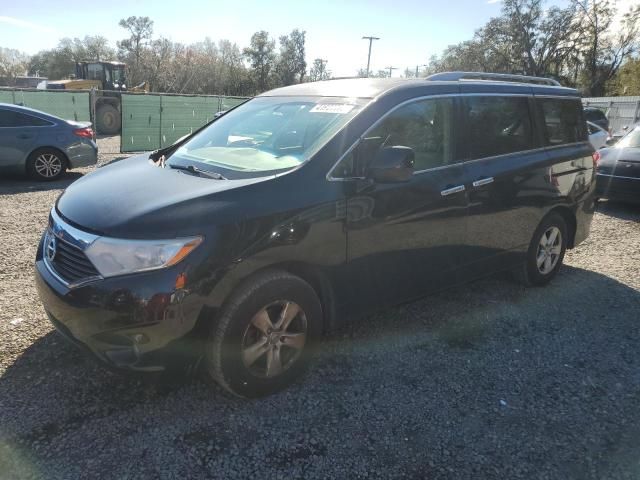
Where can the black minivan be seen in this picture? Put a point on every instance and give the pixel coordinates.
(238, 247)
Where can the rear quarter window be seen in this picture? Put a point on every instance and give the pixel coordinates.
(564, 122)
(596, 115)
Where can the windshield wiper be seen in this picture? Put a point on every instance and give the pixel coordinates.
(198, 171)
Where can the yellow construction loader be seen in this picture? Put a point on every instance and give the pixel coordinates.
(108, 79)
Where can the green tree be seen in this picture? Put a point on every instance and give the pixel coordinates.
(627, 81)
(291, 65)
(261, 56)
(132, 49)
(319, 70)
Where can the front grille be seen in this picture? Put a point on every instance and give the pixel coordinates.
(71, 263)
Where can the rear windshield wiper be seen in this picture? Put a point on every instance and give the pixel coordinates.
(198, 171)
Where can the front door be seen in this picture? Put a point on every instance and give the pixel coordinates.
(403, 239)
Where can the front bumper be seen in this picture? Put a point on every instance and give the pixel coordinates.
(138, 322)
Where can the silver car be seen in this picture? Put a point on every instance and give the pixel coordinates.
(41, 145)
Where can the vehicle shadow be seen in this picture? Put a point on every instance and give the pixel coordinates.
(454, 356)
(13, 184)
(623, 211)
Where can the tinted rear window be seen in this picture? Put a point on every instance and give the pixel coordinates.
(497, 126)
(563, 120)
(594, 115)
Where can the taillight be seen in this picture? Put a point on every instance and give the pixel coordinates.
(596, 158)
(83, 132)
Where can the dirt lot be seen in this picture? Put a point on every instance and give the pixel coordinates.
(490, 381)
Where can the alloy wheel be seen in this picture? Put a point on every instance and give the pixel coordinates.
(549, 250)
(48, 165)
(274, 339)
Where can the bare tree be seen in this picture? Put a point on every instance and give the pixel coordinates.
(12, 64)
(604, 46)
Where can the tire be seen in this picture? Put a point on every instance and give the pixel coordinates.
(247, 343)
(46, 164)
(108, 119)
(534, 274)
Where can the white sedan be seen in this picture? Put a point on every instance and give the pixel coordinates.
(598, 136)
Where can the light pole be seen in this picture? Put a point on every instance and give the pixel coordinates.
(391, 69)
(371, 39)
(417, 67)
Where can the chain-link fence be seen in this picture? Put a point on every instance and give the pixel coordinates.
(621, 111)
(70, 105)
(154, 121)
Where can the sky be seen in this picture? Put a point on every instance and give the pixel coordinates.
(410, 31)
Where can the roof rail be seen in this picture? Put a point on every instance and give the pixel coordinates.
(497, 77)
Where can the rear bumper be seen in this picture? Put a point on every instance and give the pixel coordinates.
(82, 154)
(140, 324)
(618, 188)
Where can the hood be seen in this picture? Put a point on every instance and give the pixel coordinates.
(133, 198)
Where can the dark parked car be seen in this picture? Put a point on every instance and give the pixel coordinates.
(243, 243)
(42, 145)
(618, 171)
(597, 116)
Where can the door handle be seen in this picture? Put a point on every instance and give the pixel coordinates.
(452, 190)
(24, 136)
(483, 181)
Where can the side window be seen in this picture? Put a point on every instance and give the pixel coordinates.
(5, 118)
(94, 71)
(497, 126)
(424, 125)
(9, 118)
(563, 120)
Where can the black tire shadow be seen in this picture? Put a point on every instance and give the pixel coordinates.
(13, 184)
(621, 210)
(57, 393)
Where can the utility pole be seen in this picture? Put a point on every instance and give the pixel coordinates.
(417, 67)
(391, 69)
(371, 39)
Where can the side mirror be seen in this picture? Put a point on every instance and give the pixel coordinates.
(392, 165)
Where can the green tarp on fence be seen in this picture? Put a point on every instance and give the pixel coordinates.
(153, 121)
(67, 105)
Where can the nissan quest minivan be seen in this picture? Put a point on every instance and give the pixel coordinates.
(236, 248)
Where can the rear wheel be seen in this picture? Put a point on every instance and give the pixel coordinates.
(46, 164)
(265, 336)
(108, 119)
(546, 251)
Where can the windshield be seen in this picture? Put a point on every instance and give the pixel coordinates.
(630, 140)
(267, 134)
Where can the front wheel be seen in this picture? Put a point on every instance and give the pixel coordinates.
(265, 336)
(546, 251)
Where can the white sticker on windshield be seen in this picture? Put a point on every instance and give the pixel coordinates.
(332, 108)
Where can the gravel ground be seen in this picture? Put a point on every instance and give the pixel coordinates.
(490, 381)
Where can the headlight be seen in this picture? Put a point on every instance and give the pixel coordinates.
(113, 256)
